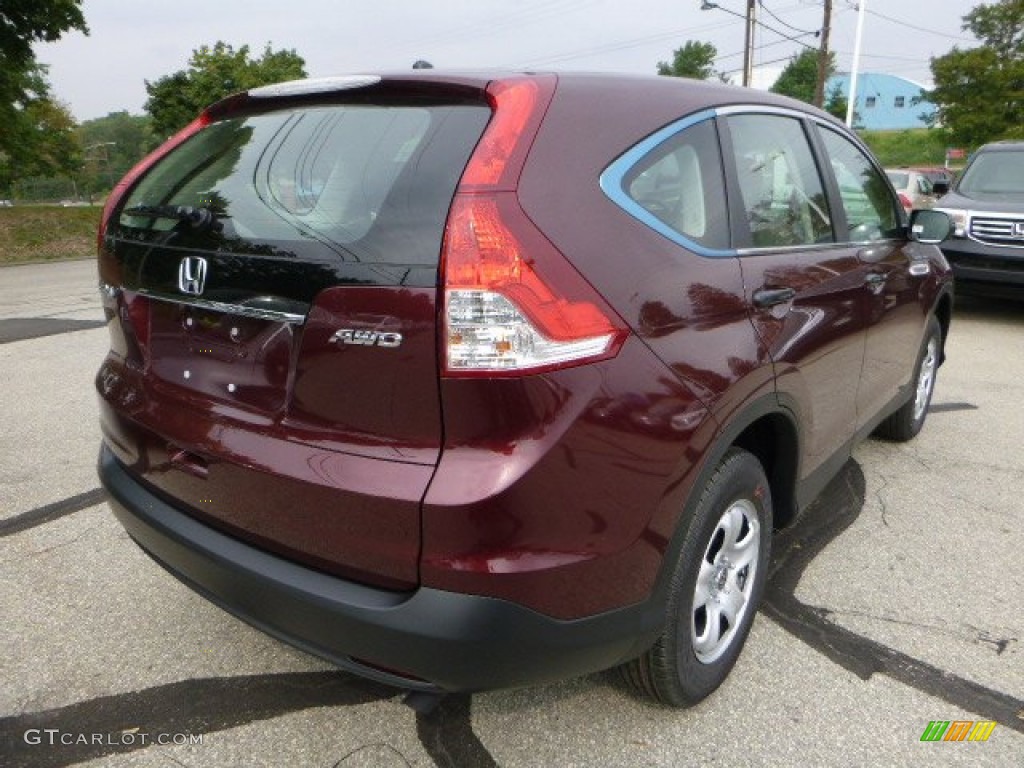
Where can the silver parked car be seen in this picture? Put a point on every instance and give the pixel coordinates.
(914, 188)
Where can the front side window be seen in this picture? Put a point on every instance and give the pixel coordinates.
(781, 188)
(680, 184)
(869, 205)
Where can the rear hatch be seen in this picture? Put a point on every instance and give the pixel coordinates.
(272, 284)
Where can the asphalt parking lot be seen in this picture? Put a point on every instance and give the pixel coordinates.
(895, 601)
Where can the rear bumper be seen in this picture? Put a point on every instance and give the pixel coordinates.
(428, 639)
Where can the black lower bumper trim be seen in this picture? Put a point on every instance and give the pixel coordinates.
(433, 640)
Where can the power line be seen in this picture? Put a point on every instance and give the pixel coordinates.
(768, 27)
(761, 47)
(768, 10)
(621, 45)
(920, 29)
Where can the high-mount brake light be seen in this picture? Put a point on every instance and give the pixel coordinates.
(513, 303)
(312, 86)
(122, 188)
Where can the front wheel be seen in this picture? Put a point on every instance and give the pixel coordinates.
(716, 587)
(904, 424)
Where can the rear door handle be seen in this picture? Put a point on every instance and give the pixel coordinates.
(770, 297)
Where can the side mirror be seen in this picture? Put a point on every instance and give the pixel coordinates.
(940, 188)
(928, 226)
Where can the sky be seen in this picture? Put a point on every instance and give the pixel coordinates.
(132, 41)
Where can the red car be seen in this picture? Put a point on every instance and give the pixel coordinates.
(469, 381)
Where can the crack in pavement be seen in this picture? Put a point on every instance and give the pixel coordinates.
(795, 548)
(970, 634)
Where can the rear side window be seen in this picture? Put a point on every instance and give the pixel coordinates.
(369, 183)
(781, 188)
(680, 183)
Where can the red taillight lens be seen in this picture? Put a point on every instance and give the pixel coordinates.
(513, 302)
(492, 246)
(905, 201)
(124, 185)
(519, 107)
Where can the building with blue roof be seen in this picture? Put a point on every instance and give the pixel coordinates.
(885, 102)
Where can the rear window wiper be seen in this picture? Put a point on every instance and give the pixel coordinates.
(197, 216)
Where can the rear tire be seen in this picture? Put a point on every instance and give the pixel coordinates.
(716, 587)
(904, 424)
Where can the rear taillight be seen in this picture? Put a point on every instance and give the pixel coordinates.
(124, 185)
(513, 302)
(905, 202)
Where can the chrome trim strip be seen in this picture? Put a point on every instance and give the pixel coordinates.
(230, 309)
(766, 109)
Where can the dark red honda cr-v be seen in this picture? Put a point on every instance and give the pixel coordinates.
(468, 381)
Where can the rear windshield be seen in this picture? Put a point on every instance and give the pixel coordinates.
(361, 183)
(899, 180)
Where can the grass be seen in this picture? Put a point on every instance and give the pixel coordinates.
(47, 233)
(917, 146)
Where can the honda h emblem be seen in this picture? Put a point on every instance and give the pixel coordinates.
(192, 275)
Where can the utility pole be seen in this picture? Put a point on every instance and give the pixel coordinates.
(826, 28)
(748, 48)
(852, 97)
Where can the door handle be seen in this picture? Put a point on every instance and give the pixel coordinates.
(770, 297)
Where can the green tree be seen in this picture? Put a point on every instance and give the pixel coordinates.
(836, 102)
(111, 145)
(979, 92)
(213, 73)
(26, 108)
(694, 59)
(38, 132)
(801, 74)
(23, 22)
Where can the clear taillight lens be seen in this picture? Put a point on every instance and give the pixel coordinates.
(513, 303)
(486, 332)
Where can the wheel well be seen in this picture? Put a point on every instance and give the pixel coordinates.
(773, 440)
